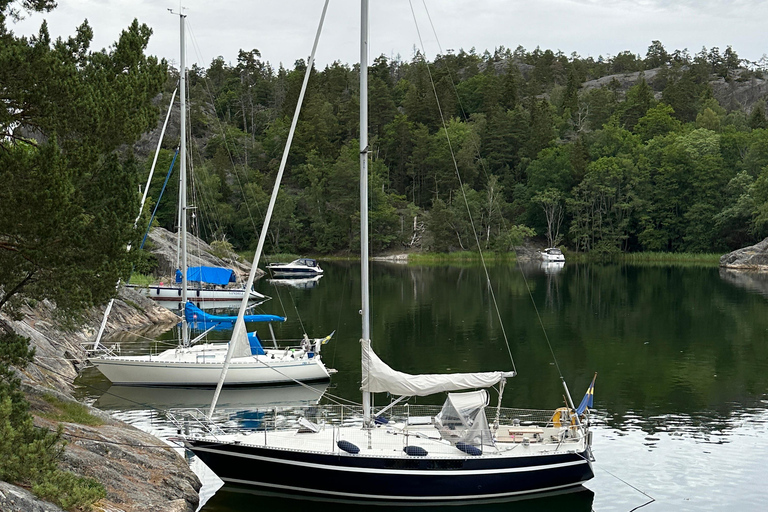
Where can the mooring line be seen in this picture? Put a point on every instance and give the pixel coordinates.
(651, 499)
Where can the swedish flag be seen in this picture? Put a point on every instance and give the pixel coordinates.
(588, 399)
(328, 338)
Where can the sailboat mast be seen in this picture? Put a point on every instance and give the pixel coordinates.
(183, 184)
(365, 310)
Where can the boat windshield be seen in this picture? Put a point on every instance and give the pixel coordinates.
(553, 251)
(462, 418)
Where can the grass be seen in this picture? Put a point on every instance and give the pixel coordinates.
(472, 257)
(142, 279)
(459, 257)
(672, 257)
(650, 258)
(70, 412)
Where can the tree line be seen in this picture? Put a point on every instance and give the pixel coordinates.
(607, 155)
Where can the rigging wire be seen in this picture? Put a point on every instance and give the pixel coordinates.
(463, 191)
(525, 279)
(240, 185)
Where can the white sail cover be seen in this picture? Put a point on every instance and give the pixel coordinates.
(378, 377)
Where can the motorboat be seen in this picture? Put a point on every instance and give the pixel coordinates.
(298, 268)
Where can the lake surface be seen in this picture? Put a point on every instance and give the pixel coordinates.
(681, 398)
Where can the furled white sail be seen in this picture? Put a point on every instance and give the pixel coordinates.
(378, 377)
(240, 340)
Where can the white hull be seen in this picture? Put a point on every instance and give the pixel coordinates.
(173, 293)
(301, 268)
(202, 365)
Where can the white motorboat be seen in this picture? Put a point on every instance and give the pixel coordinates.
(299, 268)
(552, 254)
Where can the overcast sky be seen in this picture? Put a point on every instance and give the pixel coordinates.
(283, 30)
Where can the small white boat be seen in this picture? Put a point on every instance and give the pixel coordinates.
(302, 267)
(166, 293)
(552, 254)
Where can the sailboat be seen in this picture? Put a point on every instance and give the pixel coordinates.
(211, 284)
(403, 453)
(203, 364)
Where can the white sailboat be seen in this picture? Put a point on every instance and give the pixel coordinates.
(210, 284)
(191, 364)
(401, 453)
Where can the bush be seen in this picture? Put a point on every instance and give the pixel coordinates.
(29, 456)
(69, 491)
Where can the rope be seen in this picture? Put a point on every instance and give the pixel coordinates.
(651, 499)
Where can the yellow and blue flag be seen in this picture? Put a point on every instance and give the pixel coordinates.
(588, 399)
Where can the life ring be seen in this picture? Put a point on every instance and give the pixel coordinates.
(559, 417)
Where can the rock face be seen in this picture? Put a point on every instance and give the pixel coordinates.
(138, 470)
(16, 499)
(200, 253)
(60, 352)
(754, 257)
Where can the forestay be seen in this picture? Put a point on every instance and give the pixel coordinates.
(378, 377)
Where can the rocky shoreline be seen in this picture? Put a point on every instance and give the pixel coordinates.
(139, 471)
(754, 257)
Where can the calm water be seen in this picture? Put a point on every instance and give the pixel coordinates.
(682, 390)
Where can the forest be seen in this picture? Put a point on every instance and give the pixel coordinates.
(666, 152)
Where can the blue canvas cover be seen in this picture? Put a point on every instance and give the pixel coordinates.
(255, 343)
(210, 275)
(193, 313)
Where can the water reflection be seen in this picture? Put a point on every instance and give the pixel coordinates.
(303, 283)
(229, 498)
(681, 394)
(242, 398)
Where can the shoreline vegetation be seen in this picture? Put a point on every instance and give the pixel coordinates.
(421, 258)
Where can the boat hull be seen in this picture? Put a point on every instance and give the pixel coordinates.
(295, 272)
(416, 479)
(138, 372)
(173, 294)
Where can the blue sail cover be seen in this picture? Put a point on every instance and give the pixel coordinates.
(211, 275)
(194, 314)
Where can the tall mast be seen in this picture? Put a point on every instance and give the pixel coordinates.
(365, 310)
(183, 184)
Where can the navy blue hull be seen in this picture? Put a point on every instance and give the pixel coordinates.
(397, 479)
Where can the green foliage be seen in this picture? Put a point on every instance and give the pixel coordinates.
(70, 412)
(66, 208)
(221, 249)
(530, 142)
(69, 491)
(68, 200)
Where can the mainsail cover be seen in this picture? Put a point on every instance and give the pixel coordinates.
(378, 377)
(194, 314)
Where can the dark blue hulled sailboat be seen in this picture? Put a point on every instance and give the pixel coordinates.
(405, 453)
